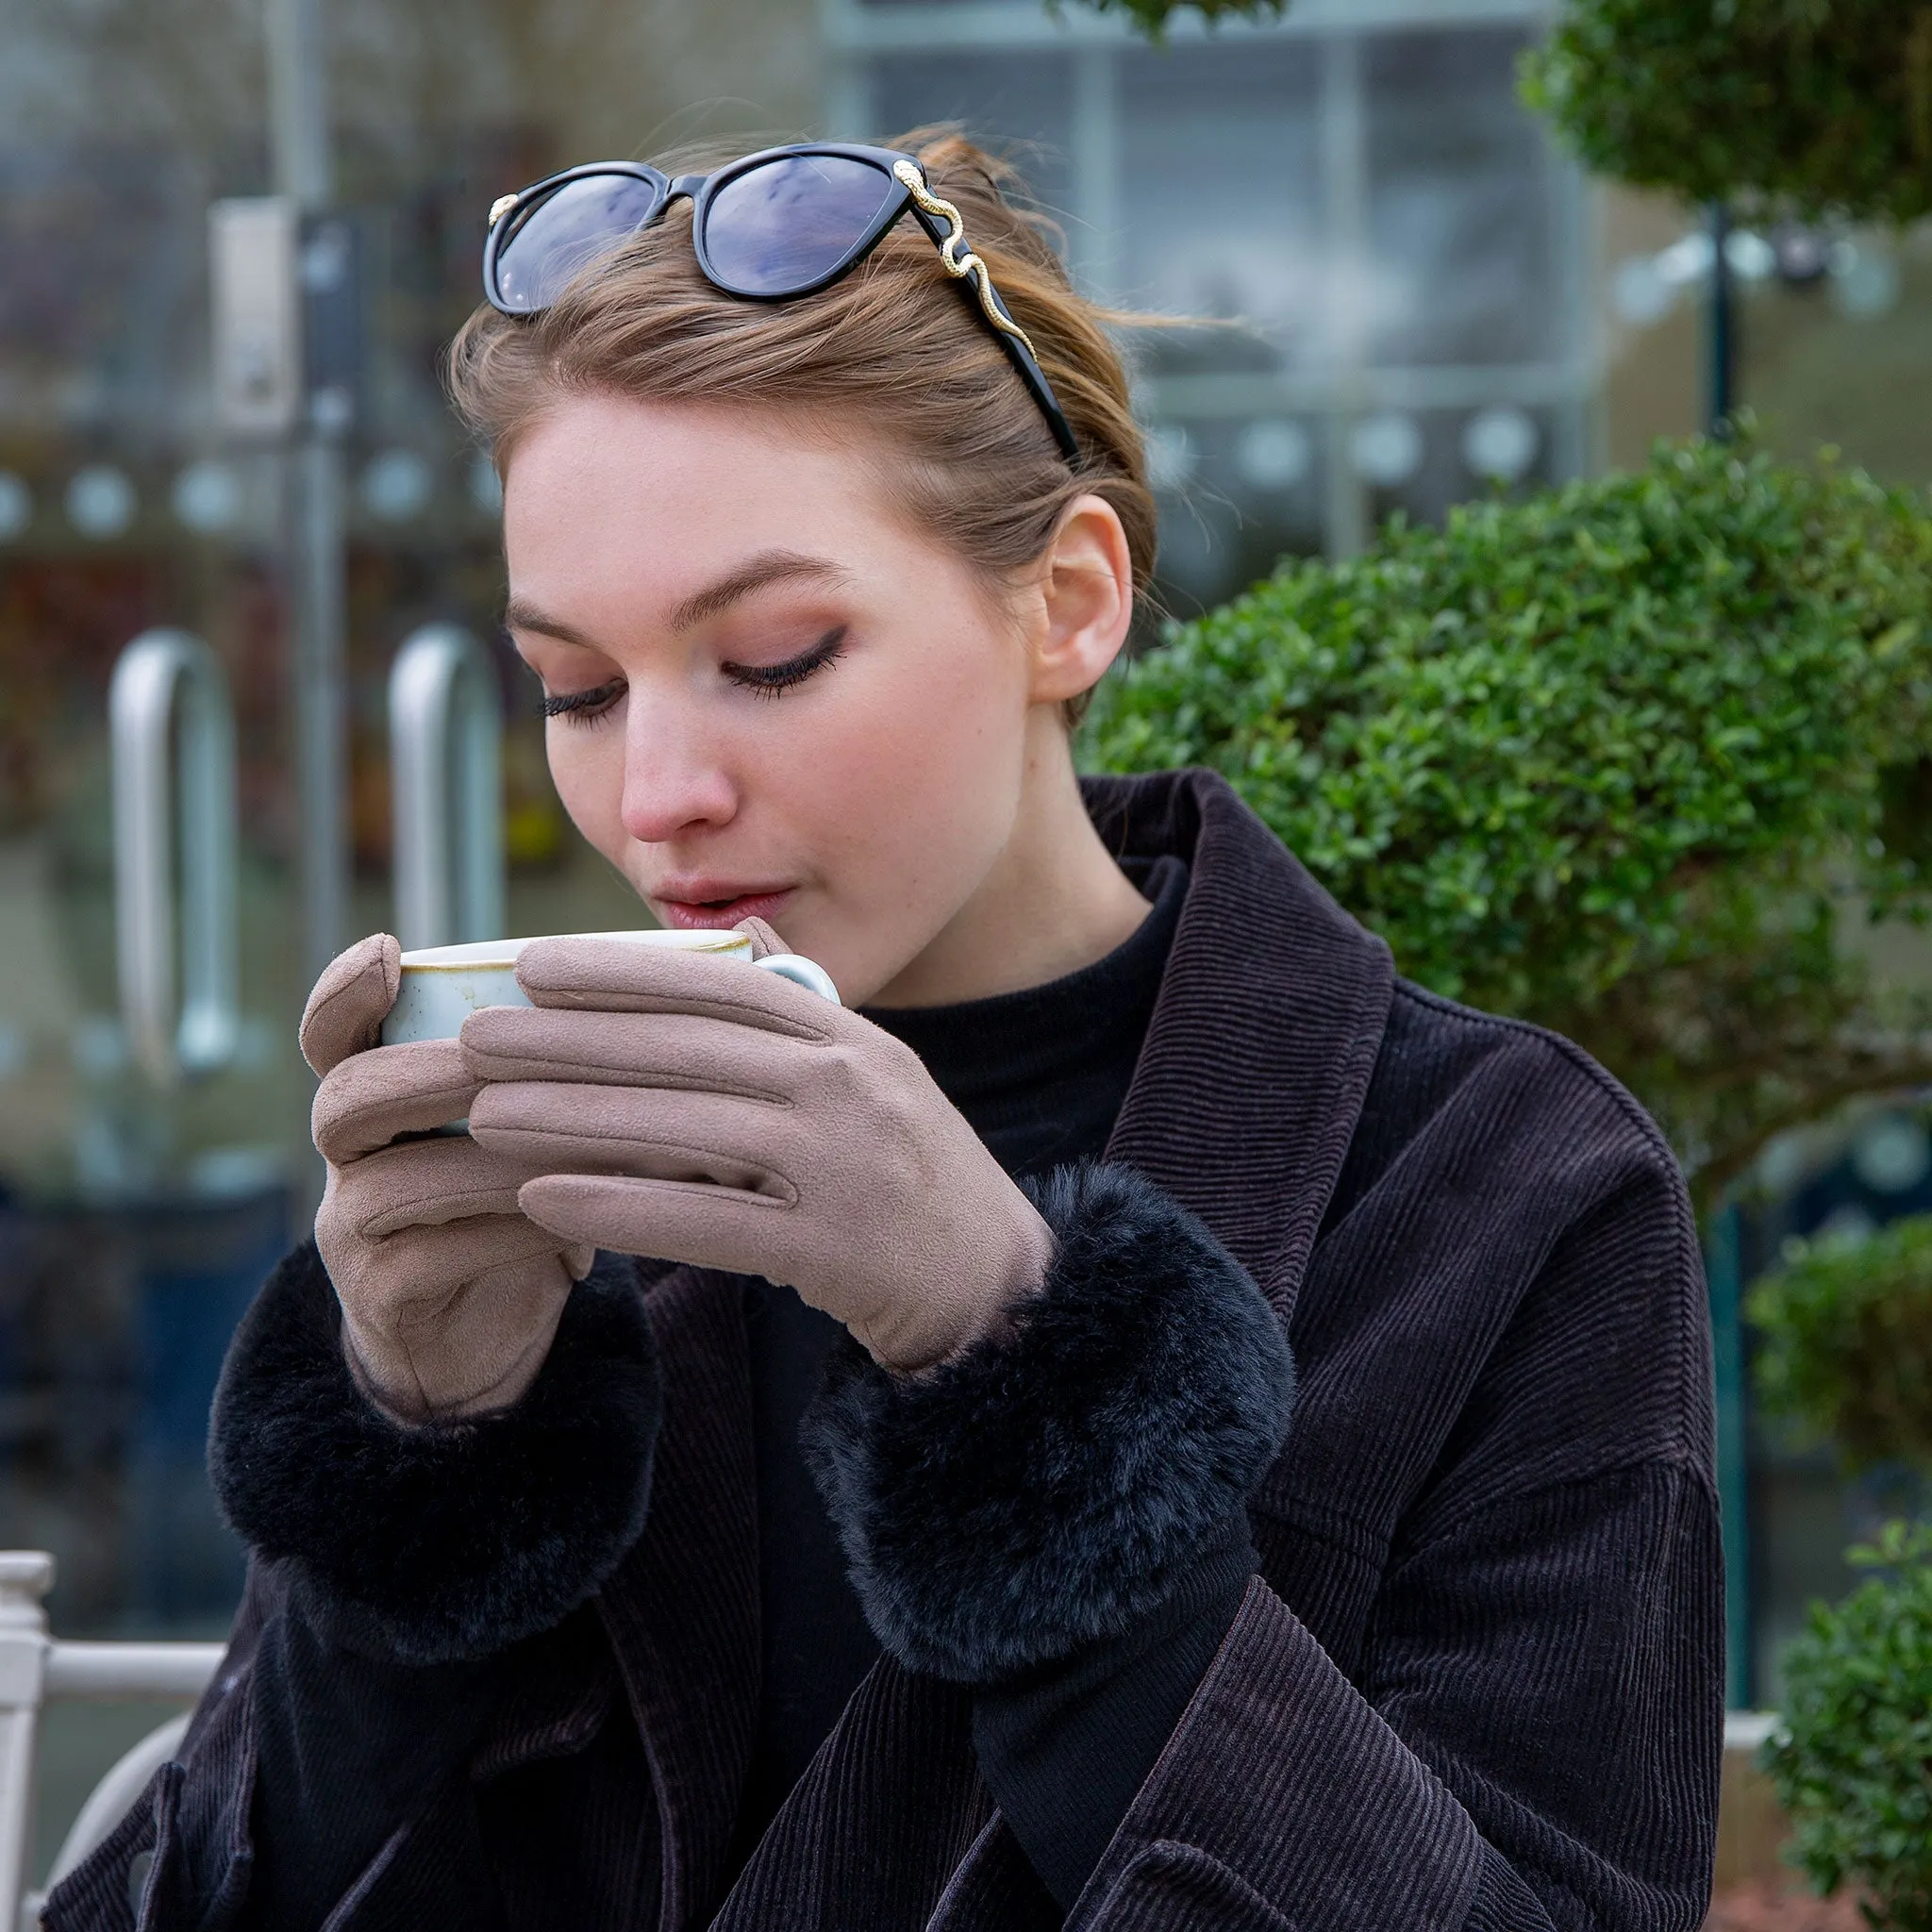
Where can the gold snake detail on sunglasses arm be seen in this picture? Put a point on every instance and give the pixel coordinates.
(958, 265)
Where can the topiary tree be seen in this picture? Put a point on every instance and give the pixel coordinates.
(1850, 1759)
(1845, 1341)
(1152, 16)
(1620, 758)
(1810, 106)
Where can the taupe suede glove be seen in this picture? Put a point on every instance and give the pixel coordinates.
(697, 1110)
(450, 1294)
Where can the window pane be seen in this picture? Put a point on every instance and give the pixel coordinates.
(1236, 496)
(1462, 203)
(1220, 200)
(1019, 105)
(1420, 462)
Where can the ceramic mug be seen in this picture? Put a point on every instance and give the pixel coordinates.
(443, 984)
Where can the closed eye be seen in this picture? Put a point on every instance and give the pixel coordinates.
(583, 707)
(773, 680)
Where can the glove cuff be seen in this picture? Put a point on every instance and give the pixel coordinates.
(1051, 1487)
(456, 1539)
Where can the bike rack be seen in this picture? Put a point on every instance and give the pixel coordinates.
(173, 732)
(445, 734)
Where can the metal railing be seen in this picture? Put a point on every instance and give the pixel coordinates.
(173, 732)
(36, 1669)
(445, 732)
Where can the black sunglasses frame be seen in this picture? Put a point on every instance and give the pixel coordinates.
(938, 218)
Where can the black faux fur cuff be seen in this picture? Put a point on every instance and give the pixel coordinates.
(457, 1538)
(1051, 1487)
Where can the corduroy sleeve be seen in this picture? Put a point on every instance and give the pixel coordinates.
(1536, 1737)
(1526, 1734)
(182, 1857)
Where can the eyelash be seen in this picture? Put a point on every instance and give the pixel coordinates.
(774, 680)
(762, 680)
(583, 707)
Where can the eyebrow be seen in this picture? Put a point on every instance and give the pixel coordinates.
(757, 574)
(520, 615)
(768, 567)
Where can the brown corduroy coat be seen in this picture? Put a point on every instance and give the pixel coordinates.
(1476, 1681)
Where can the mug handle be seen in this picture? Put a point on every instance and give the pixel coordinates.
(801, 972)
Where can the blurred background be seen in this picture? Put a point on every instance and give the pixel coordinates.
(1440, 304)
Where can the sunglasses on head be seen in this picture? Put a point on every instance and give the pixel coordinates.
(785, 221)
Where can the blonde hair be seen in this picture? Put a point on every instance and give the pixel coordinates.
(894, 344)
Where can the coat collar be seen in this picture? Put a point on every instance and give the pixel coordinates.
(1270, 1018)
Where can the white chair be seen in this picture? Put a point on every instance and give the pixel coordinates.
(35, 1668)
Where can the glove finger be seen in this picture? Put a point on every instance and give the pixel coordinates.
(670, 1221)
(754, 1233)
(611, 976)
(426, 1265)
(368, 1099)
(684, 1051)
(764, 938)
(423, 1184)
(712, 1139)
(350, 1000)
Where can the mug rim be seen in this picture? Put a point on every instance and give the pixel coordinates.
(472, 954)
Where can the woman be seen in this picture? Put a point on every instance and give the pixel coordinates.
(1264, 1479)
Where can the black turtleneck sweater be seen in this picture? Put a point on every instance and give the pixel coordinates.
(1040, 1074)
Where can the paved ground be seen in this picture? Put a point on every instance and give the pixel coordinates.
(1763, 1907)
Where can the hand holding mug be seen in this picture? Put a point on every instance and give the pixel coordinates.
(450, 1294)
(700, 1112)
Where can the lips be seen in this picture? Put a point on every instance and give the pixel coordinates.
(706, 907)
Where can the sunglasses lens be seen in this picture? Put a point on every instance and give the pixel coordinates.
(559, 237)
(788, 224)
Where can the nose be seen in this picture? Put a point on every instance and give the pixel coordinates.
(675, 781)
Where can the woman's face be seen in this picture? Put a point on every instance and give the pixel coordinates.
(769, 694)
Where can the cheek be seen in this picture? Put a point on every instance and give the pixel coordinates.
(919, 772)
(586, 768)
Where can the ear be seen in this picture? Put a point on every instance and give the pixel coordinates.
(1087, 594)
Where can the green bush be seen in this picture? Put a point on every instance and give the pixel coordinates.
(1820, 107)
(1845, 1329)
(1612, 758)
(1853, 1758)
